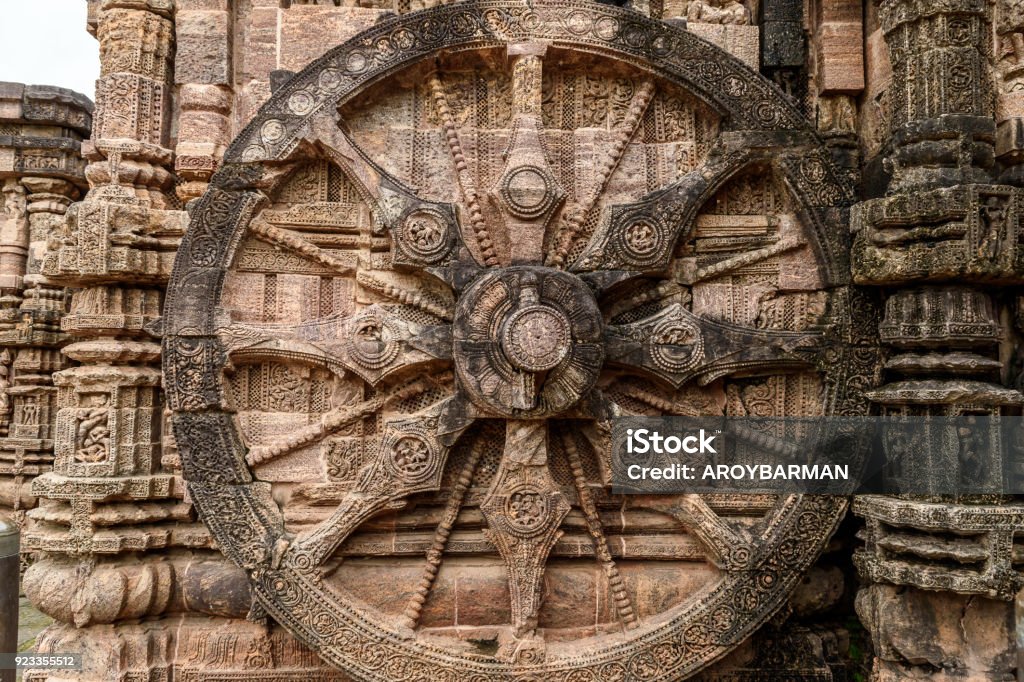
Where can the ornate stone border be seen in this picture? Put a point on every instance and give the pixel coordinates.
(245, 521)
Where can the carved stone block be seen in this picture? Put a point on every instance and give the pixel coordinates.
(967, 232)
(784, 44)
(945, 636)
(203, 47)
(840, 56)
(740, 41)
(142, 113)
(108, 240)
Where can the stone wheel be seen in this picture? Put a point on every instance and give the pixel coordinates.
(435, 266)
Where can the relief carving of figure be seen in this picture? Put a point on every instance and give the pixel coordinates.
(92, 439)
(30, 412)
(717, 12)
(288, 391)
(5, 385)
(993, 216)
(837, 114)
(14, 227)
(14, 200)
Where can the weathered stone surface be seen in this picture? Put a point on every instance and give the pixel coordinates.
(938, 635)
(527, 337)
(203, 41)
(941, 575)
(401, 269)
(736, 38)
(819, 592)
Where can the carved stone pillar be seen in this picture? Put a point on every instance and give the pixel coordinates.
(129, 153)
(942, 103)
(937, 242)
(1009, 87)
(109, 501)
(838, 78)
(41, 173)
(203, 72)
(784, 47)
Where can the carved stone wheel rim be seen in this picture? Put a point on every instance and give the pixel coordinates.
(757, 576)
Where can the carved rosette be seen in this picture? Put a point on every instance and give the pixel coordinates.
(464, 337)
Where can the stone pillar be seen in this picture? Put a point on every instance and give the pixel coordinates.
(41, 173)
(129, 153)
(939, 574)
(942, 104)
(203, 74)
(838, 78)
(784, 47)
(1009, 88)
(109, 501)
(132, 578)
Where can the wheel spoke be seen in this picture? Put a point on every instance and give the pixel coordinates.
(410, 459)
(369, 178)
(275, 236)
(411, 615)
(524, 509)
(573, 221)
(642, 235)
(730, 547)
(424, 233)
(623, 602)
(337, 419)
(746, 259)
(677, 346)
(372, 344)
(404, 290)
(527, 192)
(465, 177)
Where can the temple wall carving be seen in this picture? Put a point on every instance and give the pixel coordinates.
(43, 173)
(312, 329)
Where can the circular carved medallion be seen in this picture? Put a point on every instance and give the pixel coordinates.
(526, 510)
(528, 192)
(522, 321)
(425, 234)
(411, 458)
(370, 342)
(536, 338)
(677, 345)
(642, 240)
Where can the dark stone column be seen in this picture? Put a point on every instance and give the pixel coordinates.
(944, 244)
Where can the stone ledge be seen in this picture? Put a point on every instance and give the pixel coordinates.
(45, 104)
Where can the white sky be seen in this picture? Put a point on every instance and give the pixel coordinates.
(45, 42)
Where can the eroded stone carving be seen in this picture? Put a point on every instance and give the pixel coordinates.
(937, 242)
(718, 12)
(479, 367)
(433, 265)
(41, 170)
